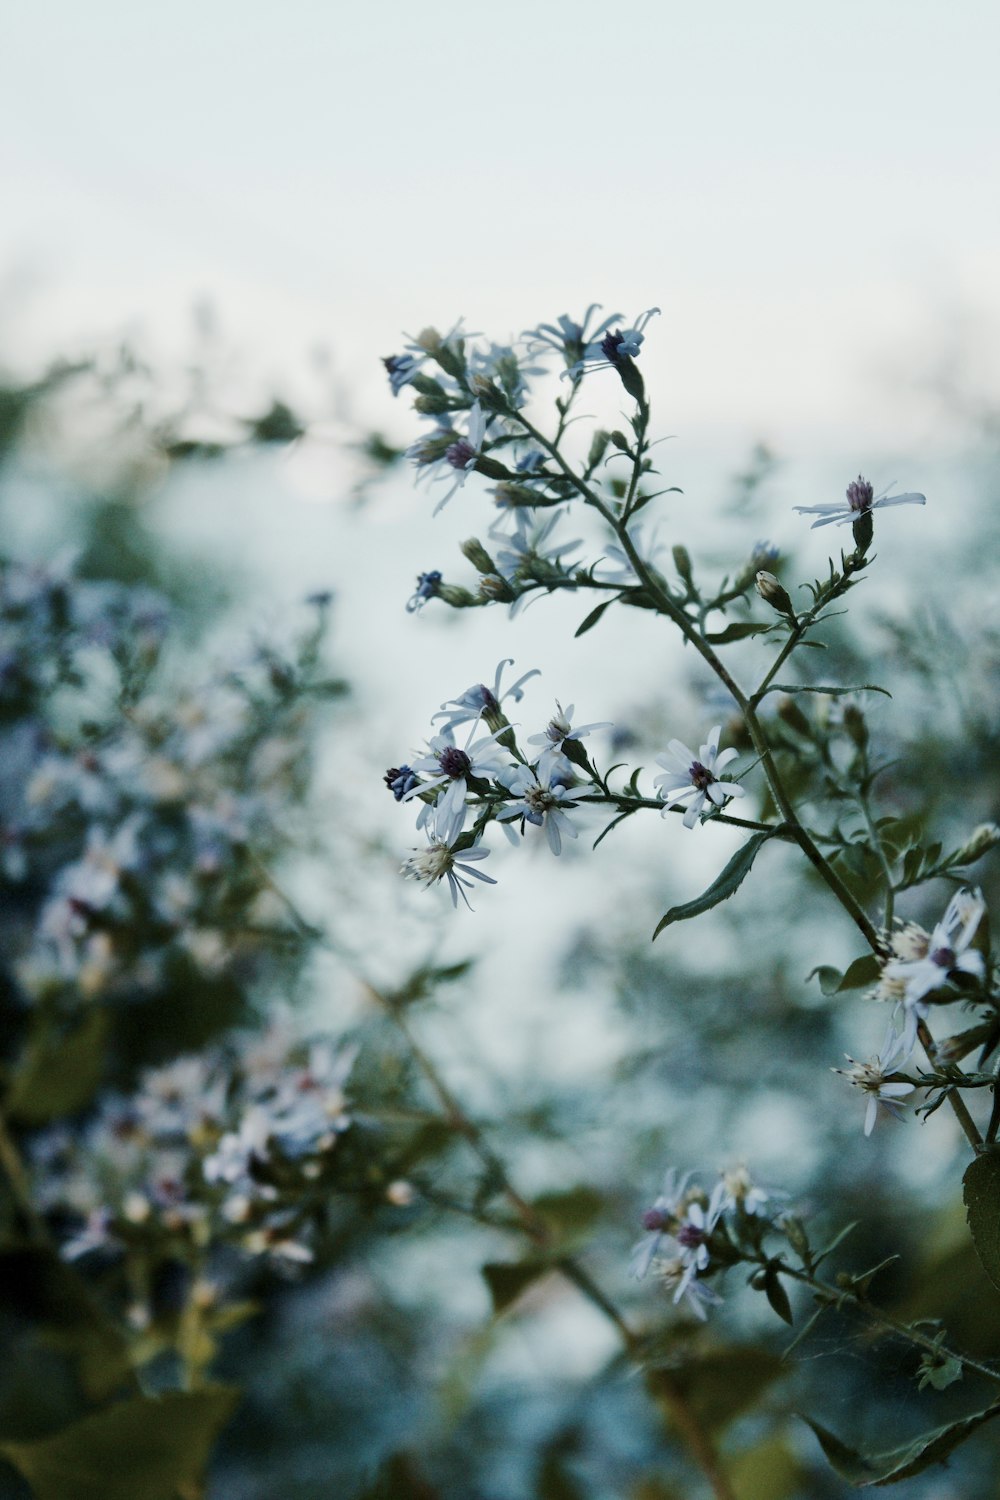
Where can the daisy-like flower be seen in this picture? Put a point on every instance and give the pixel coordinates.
(660, 1220)
(874, 1077)
(740, 1193)
(451, 767)
(693, 1231)
(616, 345)
(462, 455)
(546, 803)
(523, 553)
(947, 952)
(442, 861)
(568, 338)
(676, 1276)
(558, 730)
(481, 702)
(861, 500)
(697, 779)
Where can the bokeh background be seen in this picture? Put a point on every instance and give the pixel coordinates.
(255, 202)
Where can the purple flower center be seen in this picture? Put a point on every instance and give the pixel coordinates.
(860, 494)
(454, 763)
(700, 776)
(461, 454)
(944, 958)
(690, 1236)
(655, 1218)
(610, 345)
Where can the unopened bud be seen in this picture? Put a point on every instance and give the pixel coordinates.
(478, 556)
(795, 1233)
(619, 440)
(791, 714)
(496, 589)
(983, 839)
(598, 447)
(456, 596)
(507, 495)
(682, 562)
(491, 396)
(771, 591)
(432, 405)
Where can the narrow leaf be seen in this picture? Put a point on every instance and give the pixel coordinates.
(981, 1191)
(721, 889)
(735, 632)
(829, 978)
(865, 1471)
(777, 1296)
(863, 971)
(822, 687)
(593, 617)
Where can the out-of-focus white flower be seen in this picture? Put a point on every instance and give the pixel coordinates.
(616, 345)
(675, 1275)
(481, 702)
(546, 804)
(741, 1193)
(697, 778)
(861, 499)
(442, 861)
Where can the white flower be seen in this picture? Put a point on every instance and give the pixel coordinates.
(622, 572)
(659, 1220)
(544, 803)
(947, 952)
(461, 456)
(442, 861)
(697, 779)
(479, 701)
(861, 499)
(608, 352)
(450, 767)
(523, 552)
(872, 1077)
(568, 338)
(676, 1276)
(739, 1192)
(558, 730)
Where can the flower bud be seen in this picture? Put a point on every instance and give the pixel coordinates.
(983, 838)
(490, 395)
(598, 447)
(478, 556)
(772, 593)
(682, 562)
(496, 590)
(456, 596)
(432, 404)
(619, 440)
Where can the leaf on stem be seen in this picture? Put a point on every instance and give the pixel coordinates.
(867, 1470)
(736, 632)
(981, 1191)
(722, 888)
(593, 617)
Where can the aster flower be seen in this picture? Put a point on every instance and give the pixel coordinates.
(659, 1220)
(545, 803)
(569, 338)
(697, 778)
(462, 455)
(401, 369)
(522, 551)
(610, 351)
(947, 952)
(874, 1077)
(451, 768)
(676, 1276)
(558, 730)
(861, 500)
(741, 1193)
(479, 701)
(441, 860)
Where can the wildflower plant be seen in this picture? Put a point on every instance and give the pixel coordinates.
(801, 769)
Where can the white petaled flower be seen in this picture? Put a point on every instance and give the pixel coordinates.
(739, 1192)
(567, 337)
(450, 767)
(621, 572)
(461, 456)
(523, 549)
(947, 952)
(873, 1077)
(546, 804)
(608, 352)
(442, 861)
(697, 777)
(660, 1220)
(677, 1277)
(481, 702)
(558, 730)
(861, 499)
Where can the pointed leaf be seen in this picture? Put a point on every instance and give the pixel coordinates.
(507, 1279)
(777, 1296)
(736, 632)
(726, 885)
(867, 1470)
(981, 1191)
(593, 617)
(153, 1446)
(820, 687)
(863, 971)
(829, 978)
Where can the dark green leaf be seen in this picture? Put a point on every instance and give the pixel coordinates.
(820, 687)
(981, 1191)
(777, 1296)
(865, 1471)
(829, 978)
(736, 632)
(593, 617)
(863, 971)
(726, 885)
(508, 1279)
(150, 1446)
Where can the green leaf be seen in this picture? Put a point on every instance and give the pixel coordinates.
(736, 632)
(59, 1074)
(829, 978)
(820, 687)
(981, 1191)
(571, 1211)
(726, 885)
(508, 1279)
(592, 618)
(777, 1296)
(865, 1471)
(862, 972)
(150, 1446)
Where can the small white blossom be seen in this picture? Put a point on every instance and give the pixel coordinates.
(607, 353)
(697, 778)
(739, 1192)
(451, 767)
(442, 861)
(873, 1077)
(479, 701)
(947, 952)
(559, 729)
(545, 803)
(861, 499)
(676, 1277)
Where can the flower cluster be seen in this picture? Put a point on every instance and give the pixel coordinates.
(223, 1147)
(691, 1234)
(124, 838)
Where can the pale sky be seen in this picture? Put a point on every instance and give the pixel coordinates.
(809, 194)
